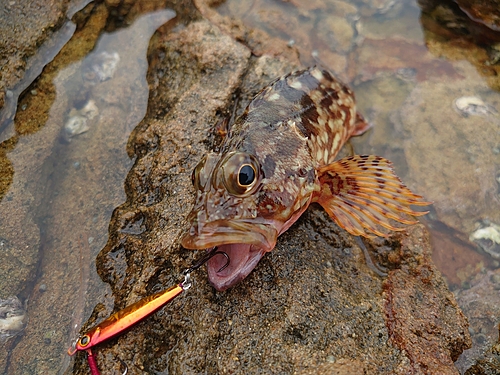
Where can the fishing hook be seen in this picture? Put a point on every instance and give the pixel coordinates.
(209, 255)
(93, 364)
(125, 365)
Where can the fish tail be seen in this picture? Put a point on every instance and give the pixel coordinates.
(363, 195)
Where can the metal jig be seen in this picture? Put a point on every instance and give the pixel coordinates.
(130, 315)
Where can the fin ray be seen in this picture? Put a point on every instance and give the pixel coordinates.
(365, 197)
(348, 220)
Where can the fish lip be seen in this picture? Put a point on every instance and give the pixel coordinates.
(244, 242)
(222, 232)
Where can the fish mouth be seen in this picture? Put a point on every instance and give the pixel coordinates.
(244, 243)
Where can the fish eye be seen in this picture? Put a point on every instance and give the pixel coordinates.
(241, 173)
(84, 341)
(246, 175)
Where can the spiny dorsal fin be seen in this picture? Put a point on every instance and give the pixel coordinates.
(364, 196)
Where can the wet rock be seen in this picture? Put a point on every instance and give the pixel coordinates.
(451, 33)
(489, 364)
(421, 331)
(484, 11)
(325, 30)
(458, 260)
(24, 25)
(23, 183)
(337, 32)
(312, 305)
(404, 25)
(480, 304)
(382, 56)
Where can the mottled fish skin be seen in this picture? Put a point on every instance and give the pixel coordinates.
(287, 139)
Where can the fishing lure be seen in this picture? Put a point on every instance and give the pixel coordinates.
(277, 158)
(131, 315)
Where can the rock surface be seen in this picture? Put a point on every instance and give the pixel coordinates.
(484, 11)
(24, 25)
(312, 306)
(480, 304)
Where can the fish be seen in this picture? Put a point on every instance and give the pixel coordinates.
(277, 158)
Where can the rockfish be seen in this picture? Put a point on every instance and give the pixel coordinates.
(277, 158)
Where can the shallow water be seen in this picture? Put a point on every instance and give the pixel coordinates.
(428, 94)
(67, 150)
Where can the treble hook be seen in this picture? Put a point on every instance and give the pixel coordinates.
(93, 364)
(209, 255)
(125, 365)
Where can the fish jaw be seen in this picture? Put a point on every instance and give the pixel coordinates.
(244, 242)
(243, 259)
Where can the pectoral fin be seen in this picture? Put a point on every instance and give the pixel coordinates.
(365, 197)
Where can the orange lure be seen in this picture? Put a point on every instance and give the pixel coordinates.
(124, 319)
(129, 316)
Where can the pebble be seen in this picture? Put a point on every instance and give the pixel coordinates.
(472, 106)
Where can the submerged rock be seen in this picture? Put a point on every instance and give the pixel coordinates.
(312, 306)
(12, 316)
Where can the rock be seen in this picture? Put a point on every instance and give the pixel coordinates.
(312, 306)
(489, 364)
(423, 330)
(24, 25)
(325, 30)
(484, 11)
(378, 56)
(450, 33)
(480, 304)
(456, 259)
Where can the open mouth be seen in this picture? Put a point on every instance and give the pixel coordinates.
(242, 260)
(244, 243)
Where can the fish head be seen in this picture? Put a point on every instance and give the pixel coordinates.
(241, 207)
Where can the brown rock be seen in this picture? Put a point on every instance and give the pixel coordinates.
(484, 11)
(457, 259)
(24, 26)
(451, 33)
(489, 364)
(376, 57)
(418, 318)
(480, 304)
(85, 185)
(311, 306)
